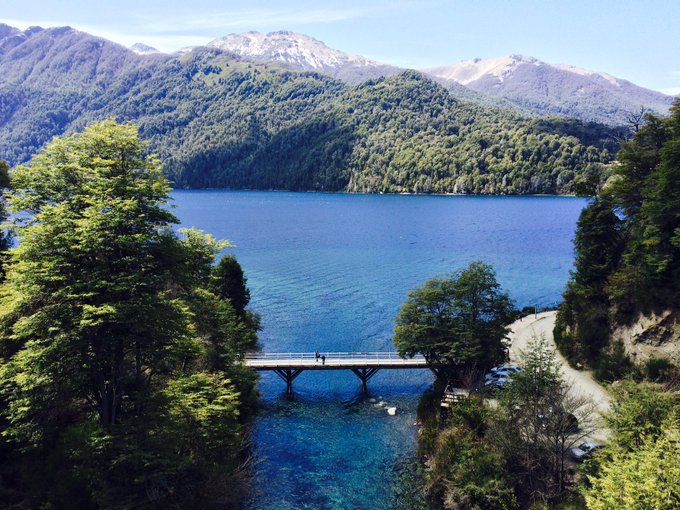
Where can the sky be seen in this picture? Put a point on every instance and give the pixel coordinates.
(637, 40)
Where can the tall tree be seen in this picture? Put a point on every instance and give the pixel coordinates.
(103, 354)
(627, 248)
(229, 282)
(539, 418)
(456, 323)
(5, 236)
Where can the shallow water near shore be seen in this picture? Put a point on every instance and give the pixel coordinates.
(328, 272)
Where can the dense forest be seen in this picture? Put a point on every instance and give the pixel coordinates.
(122, 382)
(218, 121)
(627, 249)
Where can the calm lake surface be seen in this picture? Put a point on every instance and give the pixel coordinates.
(328, 272)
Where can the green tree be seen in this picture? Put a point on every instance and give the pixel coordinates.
(638, 411)
(539, 418)
(5, 236)
(107, 369)
(627, 248)
(229, 282)
(456, 323)
(465, 469)
(582, 325)
(647, 477)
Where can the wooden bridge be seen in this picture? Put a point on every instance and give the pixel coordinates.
(289, 365)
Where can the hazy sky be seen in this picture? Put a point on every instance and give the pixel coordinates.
(638, 40)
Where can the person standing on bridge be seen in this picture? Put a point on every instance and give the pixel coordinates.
(323, 359)
(317, 356)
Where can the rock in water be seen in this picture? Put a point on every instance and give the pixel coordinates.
(391, 411)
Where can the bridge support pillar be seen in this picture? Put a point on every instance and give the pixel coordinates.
(288, 375)
(365, 374)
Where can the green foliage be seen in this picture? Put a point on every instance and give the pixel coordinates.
(228, 282)
(539, 419)
(648, 477)
(627, 249)
(117, 363)
(5, 236)
(639, 468)
(638, 411)
(614, 364)
(512, 455)
(457, 323)
(466, 471)
(657, 369)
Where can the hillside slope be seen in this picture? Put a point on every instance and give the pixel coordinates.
(621, 302)
(217, 120)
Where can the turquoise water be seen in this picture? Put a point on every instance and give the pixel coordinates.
(328, 272)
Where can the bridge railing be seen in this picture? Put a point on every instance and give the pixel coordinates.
(329, 355)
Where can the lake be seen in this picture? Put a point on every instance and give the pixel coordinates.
(328, 272)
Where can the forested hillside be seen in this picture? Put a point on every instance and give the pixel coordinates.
(628, 257)
(218, 121)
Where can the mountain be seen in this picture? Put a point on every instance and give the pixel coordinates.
(51, 77)
(143, 49)
(547, 89)
(303, 53)
(217, 119)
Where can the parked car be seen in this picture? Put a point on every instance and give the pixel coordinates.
(507, 368)
(499, 380)
(499, 376)
(584, 451)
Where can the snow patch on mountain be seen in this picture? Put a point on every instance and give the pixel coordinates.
(585, 72)
(295, 49)
(467, 71)
(143, 49)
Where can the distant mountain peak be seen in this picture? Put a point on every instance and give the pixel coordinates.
(299, 50)
(143, 49)
(468, 71)
(554, 89)
(302, 52)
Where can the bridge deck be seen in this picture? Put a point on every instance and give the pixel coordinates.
(334, 361)
(289, 365)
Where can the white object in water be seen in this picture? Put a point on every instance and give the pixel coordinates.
(391, 411)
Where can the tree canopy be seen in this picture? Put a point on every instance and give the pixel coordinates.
(5, 236)
(118, 363)
(639, 468)
(457, 323)
(627, 247)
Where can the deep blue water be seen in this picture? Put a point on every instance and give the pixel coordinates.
(328, 272)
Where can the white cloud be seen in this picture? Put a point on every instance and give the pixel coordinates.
(167, 43)
(249, 19)
(179, 29)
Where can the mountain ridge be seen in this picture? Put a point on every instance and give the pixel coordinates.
(555, 89)
(216, 119)
(304, 53)
(524, 84)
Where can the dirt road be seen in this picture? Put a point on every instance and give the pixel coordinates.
(583, 383)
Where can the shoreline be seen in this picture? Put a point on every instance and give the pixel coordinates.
(402, 193)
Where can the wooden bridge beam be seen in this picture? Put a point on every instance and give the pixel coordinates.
(288, 375)
(365, 374)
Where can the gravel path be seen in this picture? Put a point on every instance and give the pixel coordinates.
(524, 329)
